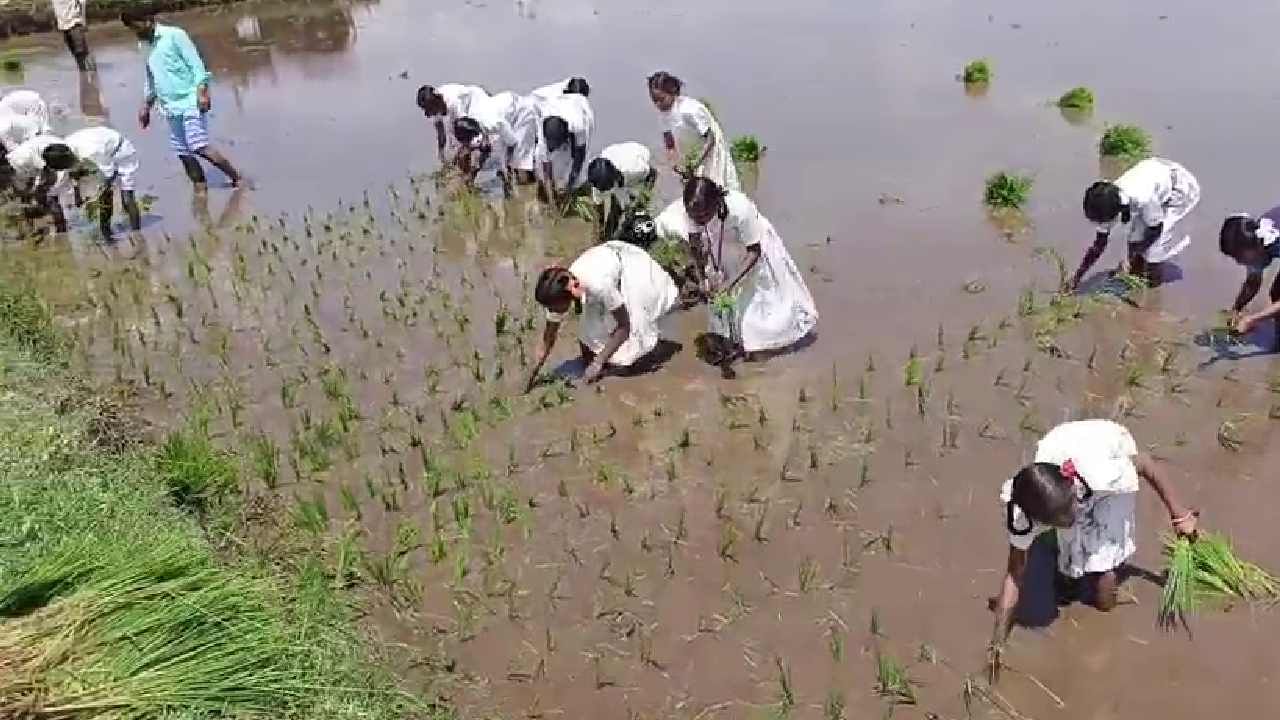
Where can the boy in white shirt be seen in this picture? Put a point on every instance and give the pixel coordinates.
(34, 182)
(618, 179)
(563, 136)
(115, 159)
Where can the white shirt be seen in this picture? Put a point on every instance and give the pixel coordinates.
(632, 160)
(17, 129)
(1147, 189)
(687, 118)
(458, 99)
(554, 90)
(494, 113)
(28, 103)
(599, 269)
(575, 110)
(1102, 452)
(102, 146)
(27, 159)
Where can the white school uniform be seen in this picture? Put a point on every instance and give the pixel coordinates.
(689, 121)
(773, 308)
(457, 99)
(546, 92)
(27, 161)
(1102, 538)
(17, 129)
(512, 119)
(633, 161)
(575, 110)
(109, 151)
(614, 274)
(1158, 192)
(28, 103)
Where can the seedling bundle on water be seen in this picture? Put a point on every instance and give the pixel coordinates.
(977, 72)
(1207, 570)
(1007, 190)
(1125, 141)
(746, 149)
(1077, 98)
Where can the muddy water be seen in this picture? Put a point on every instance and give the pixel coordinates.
(658, 548)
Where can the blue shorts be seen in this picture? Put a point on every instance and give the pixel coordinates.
(188, 134)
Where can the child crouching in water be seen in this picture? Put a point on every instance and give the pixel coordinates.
(1083, 485)
(1254, 244)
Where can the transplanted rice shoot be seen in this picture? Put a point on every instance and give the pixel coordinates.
(1206, 570)
(1077, 98)
(1007, 190)
(1125, 141)
(977, 72)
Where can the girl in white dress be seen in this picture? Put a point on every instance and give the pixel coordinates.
(771, 305)
(564, 132)
(620, 294)
(1146, 202)
(619, 178)
(687, 124)
(1084, 485)
(575, 84)
(444, 104)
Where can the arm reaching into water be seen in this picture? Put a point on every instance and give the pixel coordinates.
(619, 335)
(1006, 602)
(543, 351)
(1091, 256)
(441, 140)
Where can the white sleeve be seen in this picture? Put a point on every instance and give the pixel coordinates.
(1151, 212)
(607, 293)
(749, 226)
(701, 118)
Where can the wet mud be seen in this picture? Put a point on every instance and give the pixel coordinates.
(675, 544)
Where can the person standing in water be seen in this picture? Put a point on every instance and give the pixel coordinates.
(73, 23)
(619, 178)
(115, 159)
(687, 127)
(620, 294)
(1147, 200)
(564, 133)
(1084, 485)
(443, 104)
(1254, 244)
(766, 304)
(37, 183)
(177, 80)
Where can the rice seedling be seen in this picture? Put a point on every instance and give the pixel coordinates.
(977, 72)
(913, 371)
(1077, 98)
(807, 573)
(1129, 142)
(834, 706)
(762, 518)
(786, 691)
(893, 683)
(194, 471)
(264, 458)
(1229, 435)
(1007, 190)
(727, 546)
(311, 515)
(1205, 569)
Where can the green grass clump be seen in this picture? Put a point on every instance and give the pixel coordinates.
(1077, 98)
(977, 72)
(893, 683)
(114, 605)
(193, 469)
(1205, 570)
(28, 321)
(746, 149)
(1125, 141)
(1007, 190)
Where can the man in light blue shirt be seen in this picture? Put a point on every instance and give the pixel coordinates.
(177, 80)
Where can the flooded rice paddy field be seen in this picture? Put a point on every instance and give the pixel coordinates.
(677, 545)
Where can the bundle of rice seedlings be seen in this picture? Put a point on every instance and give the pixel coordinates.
(746, 149)
(977, 72)
(1125, 141)
(1205, 570)
(1007, 190)
(141, 632)
(1077, 98)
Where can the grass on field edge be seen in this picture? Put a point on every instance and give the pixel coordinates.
(115, 602)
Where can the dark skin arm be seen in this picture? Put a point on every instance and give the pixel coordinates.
(611, 221)
(579, 154)
(1091, 256)
(669, 142)
(1248, 291)
(440, 137)
(619, 335)
(549, 333)
(699, 259)
(753, 257)
(547, 183)
(708, 144)
(50, 203)
(1138, 263)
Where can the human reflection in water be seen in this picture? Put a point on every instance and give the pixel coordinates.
(91, 105)
(200, 210)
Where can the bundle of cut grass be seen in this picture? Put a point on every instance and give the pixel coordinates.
(141, 632)
(1077, 98)
(1007, 190)
(1125, 141)
(977, 72)
(1207, 570)
(746, 149)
